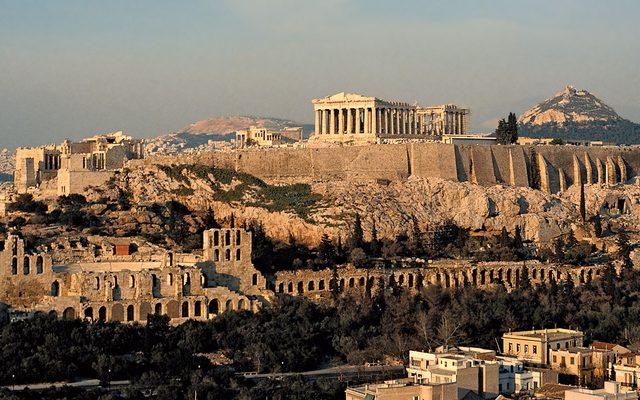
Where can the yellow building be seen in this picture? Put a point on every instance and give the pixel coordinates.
(402, 390)
(534, 346)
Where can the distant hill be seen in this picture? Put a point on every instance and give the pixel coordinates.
(576, 114)
(7, 164)
(205, 134)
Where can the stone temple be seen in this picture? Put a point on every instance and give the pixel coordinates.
(348, 117)
(72, 166)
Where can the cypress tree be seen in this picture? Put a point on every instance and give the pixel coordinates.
(512, 129)
(535, 170)
(501, 132)
(357, 235)
(583, 207)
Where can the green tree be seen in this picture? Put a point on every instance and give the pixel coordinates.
(583, 208)
(326, 250)
(501, 133)
(512, 129)
(357, 235)
(535, 170)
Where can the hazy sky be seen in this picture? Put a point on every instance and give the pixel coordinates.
(76, 68)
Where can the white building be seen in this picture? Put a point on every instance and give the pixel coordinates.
(611, 391)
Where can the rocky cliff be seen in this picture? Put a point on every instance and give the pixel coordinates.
(390, 205)
(576, 114)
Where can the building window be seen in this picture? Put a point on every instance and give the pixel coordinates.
(517, 348)
(526, 348)
(510, 347)
(555, 359)
(572, 360)
(535, 349)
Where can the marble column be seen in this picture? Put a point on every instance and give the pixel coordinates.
(385, 114)
(349, 120)
(462, 123)
(367, 120)
(415, 123)
(332, 121)
(317, 131)
(374, 120)
(356, 120)
(341, 121)
(403, 121)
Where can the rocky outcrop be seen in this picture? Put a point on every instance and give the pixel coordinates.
(576, 114)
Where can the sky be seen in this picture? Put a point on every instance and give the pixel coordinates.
(74, 68)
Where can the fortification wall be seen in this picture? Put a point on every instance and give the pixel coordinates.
(559, 167)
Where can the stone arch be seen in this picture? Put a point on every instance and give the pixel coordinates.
(88, 313)
(534, 274)
(290, 287)
(254, 279)
(550, 275)
(401, 280)
(456, 281)
(197, 308)
(216, 238)
(102, 313)
(204, 279)
(581, 278)
(352, 282)
(300, 287)
(26, 266)
(241, 304)
(311, 286)
(409, 280)
(227, 237)
(39, 265)
(321, 284)
(517, 282)
(216, 255)
(281, 287)
(144, 310)
(438, 279)
(173, 309)
(508, 280)
(55, 289)
(558, 276)
(53, 313)
(117, 312)
(116, 293)
(491, 277)
(483, 278)
(229, 305)
(214, 306)
(238, 238)
(447, 280)
(185, 310)
(132, 281)
(157, 309)
(69, 313)
(341, 283)
(130, 313)
(474, 277)
(97, 283)
(589, 276)
(227, 255)
(361, 281)
(14, 266)
(237, 254)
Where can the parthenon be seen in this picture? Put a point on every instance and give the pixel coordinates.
(348, 117)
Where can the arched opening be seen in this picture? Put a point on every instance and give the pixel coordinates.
(558, 276)
(517, 277)
(542, 276)
(69, 313)
(39, 265)
(491, 279)
(185, 310)
(197, 309)
(102, 313)
(281, 288)
(216, 238)
(352, 282)
(237, 238)
(509, 276)
(483, 277)
(130, 313)
(216, 255)
(132, 281)
(447, 280)
(410, 279)
(550, 275)
(534, 274)
(97, 283)
(321, 284)
(204, 279)
(227, 238)
(26, 266)
(241, 304)
(117, 312)
(14, 266)
(214, 307)
(254, 279)
(342, 284)
(88, 313)
(170, 279)
(237, 254)
(311, 286)
(401, 280)
(361, 281)
(229, 305)
(116, 293)
(157, 310)
(55, 289)
(300, 287)
(290, 287)
(53, 313)
(227, 255)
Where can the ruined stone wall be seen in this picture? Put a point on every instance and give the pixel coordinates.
(559, 167)
(448, 274)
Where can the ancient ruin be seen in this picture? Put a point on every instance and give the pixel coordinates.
(72, 166)
(348, 117)
(127, 279)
